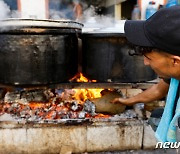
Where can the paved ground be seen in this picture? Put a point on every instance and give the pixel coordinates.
(158, 151)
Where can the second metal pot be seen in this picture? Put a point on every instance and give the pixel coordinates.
(106, 57)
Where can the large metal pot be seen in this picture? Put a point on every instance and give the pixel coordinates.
(106, 56)
(34, 52)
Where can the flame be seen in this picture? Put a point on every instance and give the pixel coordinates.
(84, 94)
(82, 78)
(59, 104)
(79, 77)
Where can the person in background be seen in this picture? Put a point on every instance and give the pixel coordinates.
(136, 13)
(61, 9)
(67, 9)
(157, 39)
(77, 10)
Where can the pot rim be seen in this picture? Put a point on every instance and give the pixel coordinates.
(103, 34)
(16, 23)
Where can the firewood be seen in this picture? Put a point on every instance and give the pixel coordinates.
(104, 105)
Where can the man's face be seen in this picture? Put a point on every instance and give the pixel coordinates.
(163, 64)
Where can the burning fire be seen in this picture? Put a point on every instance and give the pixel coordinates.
(60, 104)
(82, 78)
(84, 94)
(79, 77)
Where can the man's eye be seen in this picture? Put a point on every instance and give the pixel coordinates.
(147, 57)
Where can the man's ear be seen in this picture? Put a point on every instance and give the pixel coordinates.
(176, 60)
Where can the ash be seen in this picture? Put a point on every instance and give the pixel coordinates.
(44, 106)
(128, 114)
(89, 107)
(54, 106)
(137, 112)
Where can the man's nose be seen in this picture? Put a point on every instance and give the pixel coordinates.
(146, 61)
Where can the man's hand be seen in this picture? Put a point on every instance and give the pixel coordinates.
(122, 101)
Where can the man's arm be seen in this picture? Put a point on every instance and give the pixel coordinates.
(155, 92)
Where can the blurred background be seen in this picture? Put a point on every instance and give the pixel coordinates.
(80, 10)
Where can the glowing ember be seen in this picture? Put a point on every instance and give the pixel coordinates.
(61, 104)
(52, 104)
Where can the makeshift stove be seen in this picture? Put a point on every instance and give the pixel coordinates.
(68, 119)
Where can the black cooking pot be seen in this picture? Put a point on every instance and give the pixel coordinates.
(106, 56)
(34, 52)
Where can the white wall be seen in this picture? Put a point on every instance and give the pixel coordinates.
(113, 2)
(144, 4)
(33, 9)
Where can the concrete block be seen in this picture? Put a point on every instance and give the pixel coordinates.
(124, 92)
(53, 139)
(13, 140)
(149, 140)
(43, 140)
(133, 92)
(116, 137)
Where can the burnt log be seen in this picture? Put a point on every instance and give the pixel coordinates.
(104, 105)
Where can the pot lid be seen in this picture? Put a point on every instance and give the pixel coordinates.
(116, 27)
(15, 23)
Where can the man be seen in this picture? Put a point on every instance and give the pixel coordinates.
(161, 33)
(158, 40)
(155, 92)
(77, 10)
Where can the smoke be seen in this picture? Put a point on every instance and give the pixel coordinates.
(15, 14)
(5, 11)
(101, 23)
(63, 14)
(55, 15)
(92, 20)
